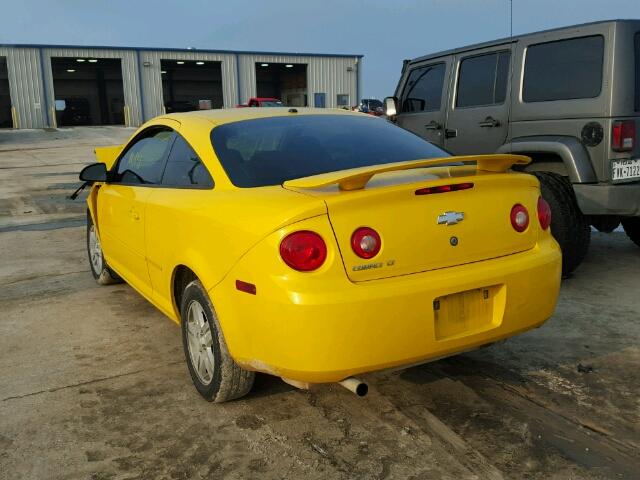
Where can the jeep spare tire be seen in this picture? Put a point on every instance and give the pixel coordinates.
(569, 226)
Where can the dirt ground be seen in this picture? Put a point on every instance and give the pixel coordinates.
(94, 383)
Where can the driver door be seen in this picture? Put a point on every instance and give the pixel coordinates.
(122, 205)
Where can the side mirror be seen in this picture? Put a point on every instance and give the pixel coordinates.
(96, 172)
(390, 106)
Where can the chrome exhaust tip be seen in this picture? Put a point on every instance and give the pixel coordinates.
(355, 385)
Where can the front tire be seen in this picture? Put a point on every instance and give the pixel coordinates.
(216, 376)
(99, 268)
(631, 227)
(569, 226)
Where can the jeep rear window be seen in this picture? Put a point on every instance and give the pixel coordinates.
(483, 80)
(637, 54)
(563, 70)
(269, 151)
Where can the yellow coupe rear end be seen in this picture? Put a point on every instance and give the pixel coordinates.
(316, 245)
(440, 283)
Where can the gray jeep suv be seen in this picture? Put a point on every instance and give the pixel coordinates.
(568, 98)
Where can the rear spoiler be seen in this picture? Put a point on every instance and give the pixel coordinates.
(108, 155)
(357, 178)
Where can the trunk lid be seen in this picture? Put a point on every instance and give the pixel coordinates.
(412, 239)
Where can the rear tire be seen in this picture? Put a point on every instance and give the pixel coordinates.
(99, 267)
(216, 376)
(631, 227)
(569, 226)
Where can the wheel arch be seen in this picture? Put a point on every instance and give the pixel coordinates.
(559, 154)
(180, 278)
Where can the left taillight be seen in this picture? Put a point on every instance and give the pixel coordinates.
(365, 242)
(304, 251)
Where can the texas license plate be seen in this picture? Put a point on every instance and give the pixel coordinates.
(625, 170)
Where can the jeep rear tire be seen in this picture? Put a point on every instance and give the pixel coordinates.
(569, 226)
(631, 227)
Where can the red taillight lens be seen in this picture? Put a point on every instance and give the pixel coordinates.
(623, 135)
(303, 251)
(519, 218)
(544, 213)
(366, 242)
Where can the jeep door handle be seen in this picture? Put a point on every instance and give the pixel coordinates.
(450, 133)
(134, 214)
(433, 125)
(489, 122)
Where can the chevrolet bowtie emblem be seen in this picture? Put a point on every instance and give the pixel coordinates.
(450, 218)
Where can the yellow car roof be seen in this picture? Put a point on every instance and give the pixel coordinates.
(228, 115)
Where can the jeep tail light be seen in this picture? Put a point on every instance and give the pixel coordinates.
(303, 251)
(366, 242)
(519, 218)
(544, 213)
(623, 135)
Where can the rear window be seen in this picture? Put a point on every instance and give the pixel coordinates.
(269, 151)
(637, 50)
(563, 70)
(483, 80)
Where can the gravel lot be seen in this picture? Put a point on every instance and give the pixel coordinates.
(94, 383)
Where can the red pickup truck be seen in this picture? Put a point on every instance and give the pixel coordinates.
(262, 102)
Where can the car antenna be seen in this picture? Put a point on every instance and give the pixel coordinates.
(75, 194)
(511, 60)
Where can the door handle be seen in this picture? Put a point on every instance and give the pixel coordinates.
(489, 122)
(433, 125)
(450, 133)
(134, 214)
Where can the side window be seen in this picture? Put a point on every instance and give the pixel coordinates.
(563, 70)
(143, 161)
(423, 90)
(483, 80)
(184, 168)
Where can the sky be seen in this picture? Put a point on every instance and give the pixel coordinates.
(384, 31)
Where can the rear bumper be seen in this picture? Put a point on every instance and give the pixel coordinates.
(344, 329)
(607, 199)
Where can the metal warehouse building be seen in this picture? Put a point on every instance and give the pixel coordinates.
(54, 86)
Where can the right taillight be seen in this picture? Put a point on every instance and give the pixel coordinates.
(623, 135)
(544, 213)
(519, 218)
(303, 251)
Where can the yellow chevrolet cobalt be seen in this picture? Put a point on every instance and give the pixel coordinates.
(317, 245)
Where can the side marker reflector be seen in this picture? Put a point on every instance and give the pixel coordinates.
(246, 287)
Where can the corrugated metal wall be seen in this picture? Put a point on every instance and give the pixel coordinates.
(330, 75)
(130, 83)
(32, 93)
(152, 78)
(25, 86)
